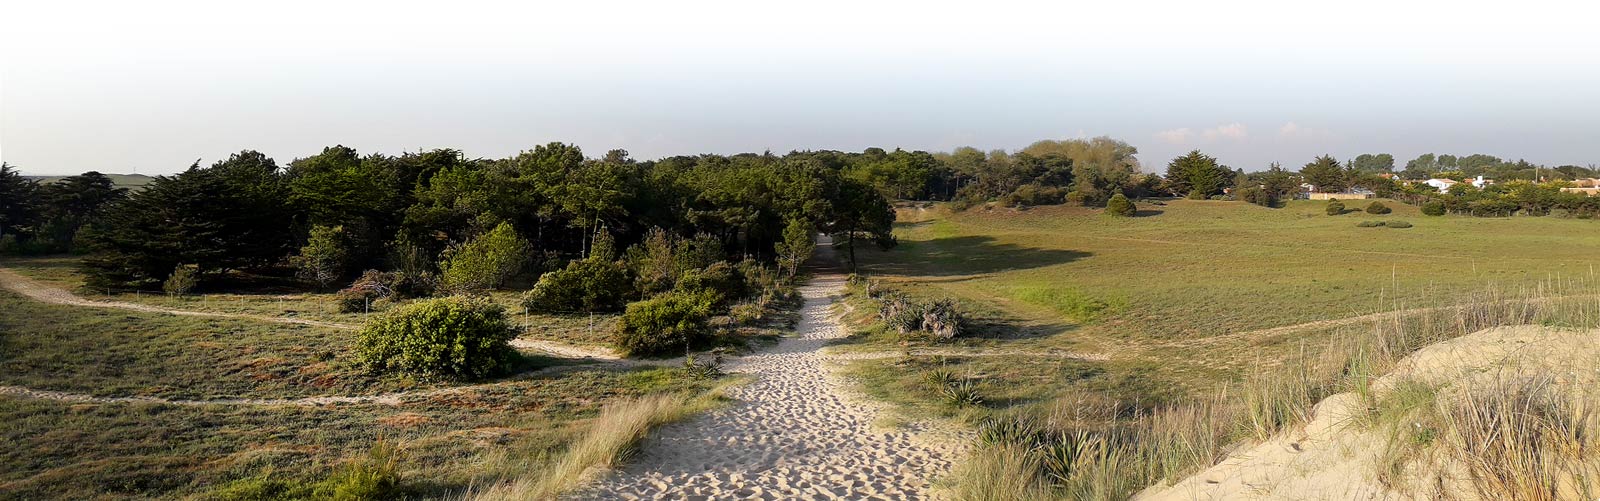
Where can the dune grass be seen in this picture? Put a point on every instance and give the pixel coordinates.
(607, 440)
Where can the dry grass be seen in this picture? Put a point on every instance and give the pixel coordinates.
(1524, 437)
(609, 438)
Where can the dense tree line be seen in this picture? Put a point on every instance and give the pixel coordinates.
(339, 212)
(40, 218)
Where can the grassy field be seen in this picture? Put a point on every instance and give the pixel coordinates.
(1117, 324)
(1187, 295)
(451, 438)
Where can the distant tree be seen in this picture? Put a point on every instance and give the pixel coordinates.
(216, 219)
(1325, 174)
(1421, 167)
(485, 262)
(1373, 164)
(1197, 175)
(75, 201)
(18, 201)
(1433, 208)
(859, 210)
(325, 257)
(796, 246)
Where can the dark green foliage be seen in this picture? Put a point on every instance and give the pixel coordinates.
(1198, 176)
(1335, 208)
(1369, 224)
(1398, 224)
(66, 206)
(721, 280)
(668, 323)
(585, 285)
(1325, 175)
(1119, 205)
(1433, 208)
(228, 216)
(446, 338)
(1378, 208)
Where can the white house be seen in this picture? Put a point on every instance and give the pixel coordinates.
(1442, 185)
(1481, 182)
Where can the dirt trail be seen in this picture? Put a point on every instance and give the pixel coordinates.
(49, 294)
(795, 432)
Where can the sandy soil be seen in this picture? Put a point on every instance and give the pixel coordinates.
(1335, 457)
(796, 432)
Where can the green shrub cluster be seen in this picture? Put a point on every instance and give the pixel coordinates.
(484, 262)
(1119, 205)
(585, 285)
(1335, 207)
(1433, 208)
(1398, 224)
(664, 324)
(445, 338)
(1378, 208)
(1390, 224)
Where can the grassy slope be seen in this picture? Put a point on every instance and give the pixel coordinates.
(1155, 293)
(448, 441)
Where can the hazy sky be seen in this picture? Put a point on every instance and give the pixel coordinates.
(152, 86)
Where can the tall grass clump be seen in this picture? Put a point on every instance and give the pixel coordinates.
(1524, 437)
(611, 436)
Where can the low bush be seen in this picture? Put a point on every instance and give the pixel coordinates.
(372, 478)
(1119, 205)
(961, 393)
(664, 324)
(1398, 224)
(446, 338)
(585, 285)
(370, 287)
(942, 319)
(1369, 224)
(1378, 208)
(183, 280)
(1433, 208)
(1335, 208)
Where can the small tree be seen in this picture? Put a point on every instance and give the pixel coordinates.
(485, 262)
(447, 338)
(796, 247)
(1335, 207)
(1433, 208)
(324, 257)
(184, 278)
(1378, 208)
(1119, 205)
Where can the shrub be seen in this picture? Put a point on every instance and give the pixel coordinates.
(1369, 224)
(1398, 224)
(372, 286)
(584, 285)
(1335, 208)
(1119, 205)
(446, 338)
(721, 279)
(184, 279)
(324, 257)
(1433, 208)
(484, 262)
(1378, 208)
(942, 319)
(666, 323)
(961, 393)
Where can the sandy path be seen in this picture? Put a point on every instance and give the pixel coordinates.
(794, 433)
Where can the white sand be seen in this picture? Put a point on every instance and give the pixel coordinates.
(1334, 457)
(796, 432)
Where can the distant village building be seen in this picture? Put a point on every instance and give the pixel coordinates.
(1587, 186)
(1442, 185)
